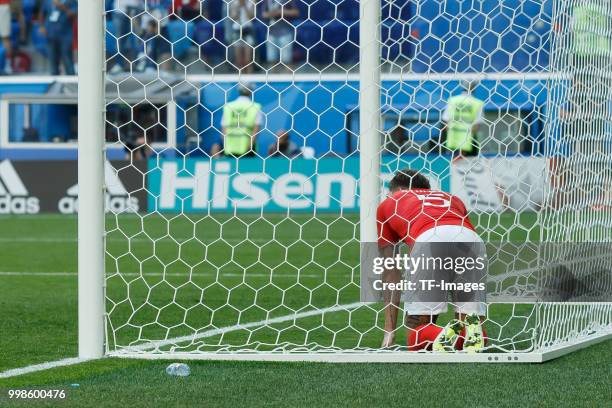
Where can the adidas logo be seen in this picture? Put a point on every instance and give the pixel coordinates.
(14, 196)
(117, 198)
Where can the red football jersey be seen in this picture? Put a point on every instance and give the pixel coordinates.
(405, 215)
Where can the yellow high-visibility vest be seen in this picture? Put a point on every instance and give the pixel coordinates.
(240, 119)
(463, 111)
(591, 30)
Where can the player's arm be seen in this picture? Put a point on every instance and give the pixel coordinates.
(388, 241)
(390, 297)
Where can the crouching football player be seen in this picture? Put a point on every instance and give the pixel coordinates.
(415, 214)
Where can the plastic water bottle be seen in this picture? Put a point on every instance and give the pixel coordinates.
(178, 369)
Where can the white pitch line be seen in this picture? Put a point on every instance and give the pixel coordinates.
(215, 332)
(209, 333)
(37, 239)
(9, 273)
(40, 367)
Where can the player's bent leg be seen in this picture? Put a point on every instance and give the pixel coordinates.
(473, 337)
(421, 320)
(422, 331)
(448, 337)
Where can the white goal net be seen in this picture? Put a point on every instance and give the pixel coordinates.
(242, 234)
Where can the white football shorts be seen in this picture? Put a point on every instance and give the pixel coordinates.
(418, 301)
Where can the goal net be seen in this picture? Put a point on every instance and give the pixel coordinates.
(245, 233)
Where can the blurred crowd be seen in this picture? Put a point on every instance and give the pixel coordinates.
(197, 36)
(41, 35)
(172, 34)
(38, 35)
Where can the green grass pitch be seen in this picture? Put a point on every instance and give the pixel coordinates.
(182, 261)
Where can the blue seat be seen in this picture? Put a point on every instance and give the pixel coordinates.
(500, 61)
(111, 41)
(521, 61)
(15, 33)
(215, 10)
(488, 44)
(302, 6)
(419, 30)
(542, 31)
(429, 9)
(308, 38)
(210, 37)
(261, 32)
(335, 33)
(398, 10)
(529, 8)
(542, 55)
(407, 10)
(203, 32)
(307, 34)
(348, 10)
(430, 58)
(321, 10)
(179, 35)
(393, 36)
(321, 52)
(349, 51)
(2, 56)
(510, 41)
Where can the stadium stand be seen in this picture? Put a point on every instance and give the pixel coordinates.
(415, 34)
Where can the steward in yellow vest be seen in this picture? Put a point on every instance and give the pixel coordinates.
(242, 119)
(592, 29)
(462, 117)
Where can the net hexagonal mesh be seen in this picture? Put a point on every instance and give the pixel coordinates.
(238, 123)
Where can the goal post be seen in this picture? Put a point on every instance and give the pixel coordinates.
(190, 250)
(91, 109)
(369, 117)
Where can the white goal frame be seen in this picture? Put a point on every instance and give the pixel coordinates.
(91, 229)
(91, 179)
